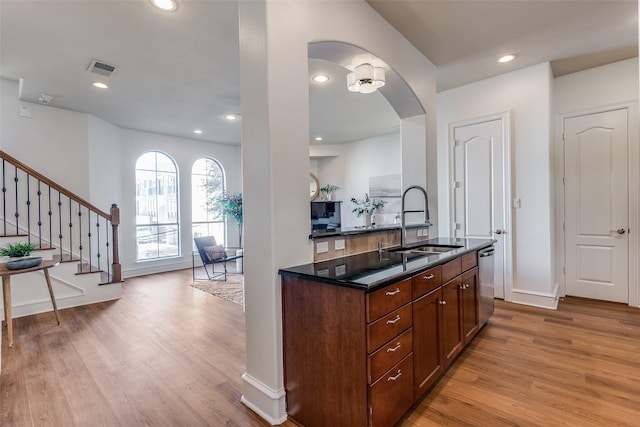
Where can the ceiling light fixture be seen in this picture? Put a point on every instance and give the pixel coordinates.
(507, 58)
(365, 78)
(45, 99)
(231, 117)
(166, 5)
(320, 78)
(100, 85)
(197, 131)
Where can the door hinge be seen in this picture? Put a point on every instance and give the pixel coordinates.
(563, 227)
(564, 271)
(563, 181)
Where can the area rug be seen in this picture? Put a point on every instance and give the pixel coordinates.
(231, 290)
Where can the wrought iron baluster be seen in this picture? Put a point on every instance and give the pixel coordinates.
(70, 232)
(17, 214)
(98, 240)
(28, 210)
(60, 224)
(50, 213)
(39, 216)
(106, 233)
(80, 236)
(4, 198)
(89, 242)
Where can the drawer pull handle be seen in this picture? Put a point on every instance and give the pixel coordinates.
(429, 277)
(397, 291)
(389, 350)
(396, 376)
(393, 320)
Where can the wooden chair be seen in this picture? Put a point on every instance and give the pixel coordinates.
(211, 254)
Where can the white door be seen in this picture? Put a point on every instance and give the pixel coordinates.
(596, 206)
(479, 171)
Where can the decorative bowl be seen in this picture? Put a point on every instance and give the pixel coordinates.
(19, 264)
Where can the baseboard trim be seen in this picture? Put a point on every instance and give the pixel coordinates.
(263, 400)
(548, 300)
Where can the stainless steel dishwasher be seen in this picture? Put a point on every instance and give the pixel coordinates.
(485, 297)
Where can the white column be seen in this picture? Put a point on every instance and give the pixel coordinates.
(275, 159)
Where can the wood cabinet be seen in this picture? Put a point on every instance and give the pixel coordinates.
(362, 359)
(452, 341)
(469, 299)
(427, 341)
(444, 320)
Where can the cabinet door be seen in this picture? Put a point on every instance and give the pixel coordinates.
(427, 341)
(469, 293)
(451, 315)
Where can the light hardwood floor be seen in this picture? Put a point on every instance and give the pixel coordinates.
(170, 355)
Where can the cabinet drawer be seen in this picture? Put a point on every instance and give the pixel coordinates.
(426, 282)
(387, 327)
(451, 270)
(469, 261)
(390, 354)
(388, 299)
(392, 394)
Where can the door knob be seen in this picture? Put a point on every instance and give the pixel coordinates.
(498, 231)
(621, 231)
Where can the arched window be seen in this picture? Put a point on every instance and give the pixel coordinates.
(157, 225)
(207, 184)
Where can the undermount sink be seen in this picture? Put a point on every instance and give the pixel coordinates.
(427, 249)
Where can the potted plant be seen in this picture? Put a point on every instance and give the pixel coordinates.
(231, 204)
(367, 207)
(328, 190)
(17, 250)
(18, 254)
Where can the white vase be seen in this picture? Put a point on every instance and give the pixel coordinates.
(239, 263)
(367, 220)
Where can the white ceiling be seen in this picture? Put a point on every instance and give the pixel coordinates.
(179, 71)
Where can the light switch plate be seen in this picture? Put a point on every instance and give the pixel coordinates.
(322, 247)
(338, 244)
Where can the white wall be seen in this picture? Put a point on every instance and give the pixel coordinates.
(527, 94)
(184, 152)
(595, 89)
(353, 164)
(96, 160)
(51, 140)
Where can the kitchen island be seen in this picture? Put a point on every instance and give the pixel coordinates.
(366, 336)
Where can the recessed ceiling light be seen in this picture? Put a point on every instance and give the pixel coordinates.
(198, 131)
(100, 85)
(320, 78)
(507, 58)
(166, 5)
(231, 117)
(318, 138)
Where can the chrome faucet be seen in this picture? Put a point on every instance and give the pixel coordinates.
(403, 233)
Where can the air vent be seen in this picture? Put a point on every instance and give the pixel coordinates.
(101, 68)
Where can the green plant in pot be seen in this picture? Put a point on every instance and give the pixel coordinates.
(367, 207)
(17, 250)
(328, 190)
(231, 204)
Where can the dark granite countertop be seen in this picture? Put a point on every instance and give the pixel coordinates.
(372, 270)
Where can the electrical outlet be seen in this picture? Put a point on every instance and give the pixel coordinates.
(338, 244)
(322, 247)
(341, 270)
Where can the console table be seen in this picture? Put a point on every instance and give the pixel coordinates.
(6, 274)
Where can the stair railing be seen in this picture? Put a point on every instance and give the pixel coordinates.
(52, 217)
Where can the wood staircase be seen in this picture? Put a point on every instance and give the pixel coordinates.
(65, 228)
